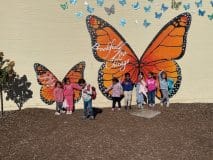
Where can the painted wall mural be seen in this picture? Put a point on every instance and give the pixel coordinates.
(113, 37)
(118, 58)
(47, 81)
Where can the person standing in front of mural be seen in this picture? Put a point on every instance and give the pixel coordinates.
(69, 94)
(141, 91)
(151, 86)
(128, 86)
(59, 97)
(117, 93)
(87, 99)
(164, 88)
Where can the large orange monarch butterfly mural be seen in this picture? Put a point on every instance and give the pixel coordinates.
(47, 81)
(118, 57)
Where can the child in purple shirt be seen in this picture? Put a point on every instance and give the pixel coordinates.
(151, 86)
(117, 93)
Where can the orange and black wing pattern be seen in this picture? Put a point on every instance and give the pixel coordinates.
(47, 81)
(168, 46)
(111, 48)
(74, 74)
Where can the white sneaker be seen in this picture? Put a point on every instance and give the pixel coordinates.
(161, 104)
(57, 113)
(153, 105)
(167, 104)
(69, 112)
(62, 111)
(113, 109)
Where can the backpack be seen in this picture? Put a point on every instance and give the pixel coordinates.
(170, 83)
(94, 93)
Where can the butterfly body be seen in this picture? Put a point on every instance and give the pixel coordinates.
(47, 81)
(117, 57)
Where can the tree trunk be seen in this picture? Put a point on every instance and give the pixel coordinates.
(20, 106)
(1, 97)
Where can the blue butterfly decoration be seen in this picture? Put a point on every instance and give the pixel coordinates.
(201, 12)
(210, 16)
(136, 5)
(79, 15)
(123, 22)
(164, 7)
(147, 8)
(100, 2)
(73, 2)
(64, 6)
(158, 15)
(146, 23)
(90, 9)
(122, 2)
(211, 2)
(199, 3)
(186, 6)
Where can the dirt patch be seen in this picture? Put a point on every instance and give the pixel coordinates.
(182, 131)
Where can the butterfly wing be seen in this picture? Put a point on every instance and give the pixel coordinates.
(112, 9)
(47, 81)
(74, 74)
(111, 48)
(168, 46)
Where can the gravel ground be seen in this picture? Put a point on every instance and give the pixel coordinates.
(182, 131)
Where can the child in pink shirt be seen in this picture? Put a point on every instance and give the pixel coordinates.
(117, 93)
(151, 86)
(59, 97)
(69, 94)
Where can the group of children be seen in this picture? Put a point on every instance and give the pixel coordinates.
(145, 89)
(64, 97)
